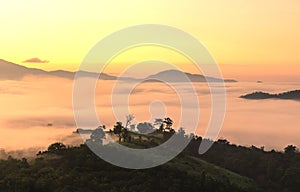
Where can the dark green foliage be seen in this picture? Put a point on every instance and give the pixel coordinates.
(56, 147)
(273, 171)
(118, 128)
(77, 169)
(230, 168)
(97, 135)
(290, 149)
(145, 127)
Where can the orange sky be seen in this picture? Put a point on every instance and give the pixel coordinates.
(249, 39)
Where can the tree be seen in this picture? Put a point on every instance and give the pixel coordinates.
(125, 135)
(129, 119)
(160, 123)
(290, 149)
(169, 123)
(161, 128)
(145, 127)
(223, 141)
(132, 127)
(181, 132)
(118, 128)
(98, 135)
(56, 147)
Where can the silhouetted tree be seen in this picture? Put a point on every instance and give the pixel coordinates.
(98, 135)
(125, 135)
(132, 127)
(161, 128)
(181, 132)
(290, 149)
(169, 123)
(160, 124)
(145, 127)
(223, 141)
(56, 147)
(129, 119)
(118, 128)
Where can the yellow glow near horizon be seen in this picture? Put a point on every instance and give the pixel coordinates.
(134, 61)
(256, 33)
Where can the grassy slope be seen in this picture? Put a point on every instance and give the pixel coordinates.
(195, 167)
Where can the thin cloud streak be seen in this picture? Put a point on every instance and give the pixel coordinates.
(35, 60)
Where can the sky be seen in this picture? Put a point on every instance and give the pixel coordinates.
(250, 40)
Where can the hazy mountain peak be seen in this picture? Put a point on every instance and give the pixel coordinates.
(174, 75)
(12, 71)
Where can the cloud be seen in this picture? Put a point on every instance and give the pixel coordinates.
(10, 91)
(49, 121)
(35, 60)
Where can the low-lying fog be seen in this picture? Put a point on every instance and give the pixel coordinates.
(37, 111)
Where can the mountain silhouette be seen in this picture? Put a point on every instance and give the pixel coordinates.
(293, 95)
(12, 71)
(178, 76)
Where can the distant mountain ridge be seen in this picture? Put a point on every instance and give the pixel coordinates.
(178, 76)
(12, 71)
(292, 95)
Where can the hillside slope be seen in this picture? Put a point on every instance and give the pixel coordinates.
(77, 169)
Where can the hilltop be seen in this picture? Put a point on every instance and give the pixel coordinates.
(225, 167)
(77, 169)
(178, 76)
(292, 95)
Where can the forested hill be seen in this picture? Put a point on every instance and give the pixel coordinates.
(77, 169)
(225, 167)
(291, 95)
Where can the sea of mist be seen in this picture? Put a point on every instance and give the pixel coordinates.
(37, 111)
